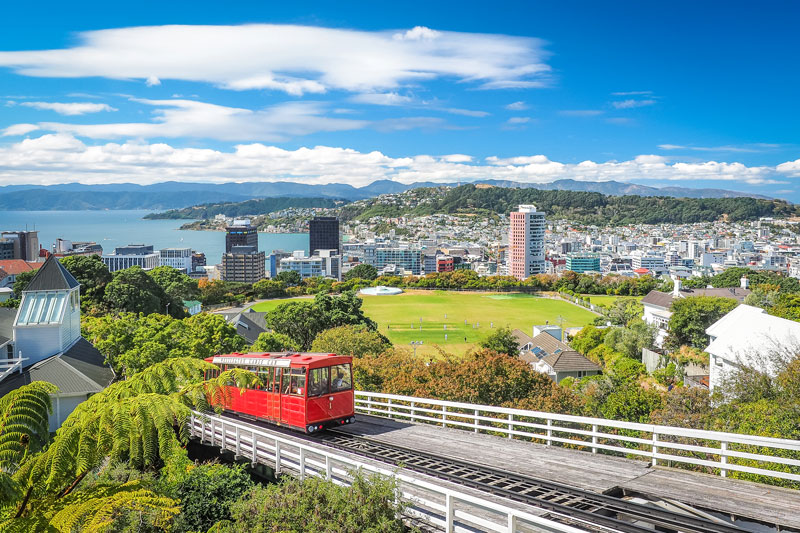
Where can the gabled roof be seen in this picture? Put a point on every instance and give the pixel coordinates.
(665, 299)
(81, 369)
(52, 276)
(753, 336)
(569, 361)
(17, 266)
(250, 324)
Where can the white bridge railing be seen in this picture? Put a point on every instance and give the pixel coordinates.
(721, 452)
(444, 508)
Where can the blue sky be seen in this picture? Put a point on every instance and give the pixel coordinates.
(680, 93)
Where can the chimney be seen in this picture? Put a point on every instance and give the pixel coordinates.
(744, 282)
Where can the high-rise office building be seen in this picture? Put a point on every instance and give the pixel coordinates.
(244, 264)
(526, 242)
(323, 234)
(141, 255)
(241, 233)
(26, 244)
(178, 258)
(6, 249)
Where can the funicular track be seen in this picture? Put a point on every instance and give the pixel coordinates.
(563, 500)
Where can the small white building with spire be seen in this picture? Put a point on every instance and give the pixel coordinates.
(46, 343)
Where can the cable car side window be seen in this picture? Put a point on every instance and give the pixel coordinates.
(318, 381)
(341, 378)
(294, 382)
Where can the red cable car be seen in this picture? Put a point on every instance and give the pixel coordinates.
(305, 391)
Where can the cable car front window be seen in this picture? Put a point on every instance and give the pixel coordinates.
(341, 379)
(296, 381)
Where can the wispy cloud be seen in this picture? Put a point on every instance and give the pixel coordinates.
(395, 99)
(70, 108)
(517, 106)
(519, 120)
(751, 148)
(581, 112)
(293, 59)
(631, 103)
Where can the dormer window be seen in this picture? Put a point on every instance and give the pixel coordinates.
(42, 308)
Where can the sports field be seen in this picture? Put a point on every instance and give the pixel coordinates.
(456, 320)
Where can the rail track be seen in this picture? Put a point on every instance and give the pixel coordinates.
(563, 500)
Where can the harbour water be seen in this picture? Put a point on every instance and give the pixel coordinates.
(118, 228)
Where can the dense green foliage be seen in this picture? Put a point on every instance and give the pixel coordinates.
(207, 494)
(354, 340)
(301, 321)
(580, 207)
(270, 341)
(289, 277)
(362, 271)
(691, 316)
(501, 340)
(131, 342)
(259, 206)
(369, 505)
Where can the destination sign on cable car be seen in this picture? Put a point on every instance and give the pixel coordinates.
(253, 361)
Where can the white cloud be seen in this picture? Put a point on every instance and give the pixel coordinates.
(631, 103)
(409, 123)
(19, 129)
(580, 112)
(189, 118)
(790, 168)
(518, 120)
(70, 108)
(61, 158)
(517, 106)
(294, 59)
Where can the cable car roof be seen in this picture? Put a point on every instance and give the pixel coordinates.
(273, 359)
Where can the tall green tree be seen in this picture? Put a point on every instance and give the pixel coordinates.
(177, 285)
(501, 340)
(356, 341)
(691, 317)
(91, 273)
(132, 290)
(362, 271)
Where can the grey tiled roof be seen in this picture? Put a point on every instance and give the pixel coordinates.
(52, 276)
(79, 370)
(665, 299)
(569, 361)
(249, 325)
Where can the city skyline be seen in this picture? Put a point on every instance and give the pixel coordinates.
(686, 95)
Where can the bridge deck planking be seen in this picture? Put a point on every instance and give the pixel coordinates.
(460, 527)
(596, 472)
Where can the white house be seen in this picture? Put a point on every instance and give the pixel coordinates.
(47, 345)
(748, 336)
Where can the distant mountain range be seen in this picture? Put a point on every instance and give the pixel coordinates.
(175, 195)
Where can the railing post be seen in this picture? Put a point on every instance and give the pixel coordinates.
(413, 411)
(723, 458)
(594, 438)
(512, 523)
(450, 513)
(477, 429)
(389, 408)
(238, 442)
(302, 464)
(510, 426)
(212, 431)
(277, 457)
(328, 468)
(549, 432)
(444, 416)
(655, 448)
(254, 446)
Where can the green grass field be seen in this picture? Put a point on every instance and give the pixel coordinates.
(602, 299)
(423, 315)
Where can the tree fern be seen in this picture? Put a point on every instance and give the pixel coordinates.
(94, 509)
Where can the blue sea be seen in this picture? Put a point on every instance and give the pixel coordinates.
(118, 228)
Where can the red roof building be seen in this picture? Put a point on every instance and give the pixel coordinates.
(18, 266)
